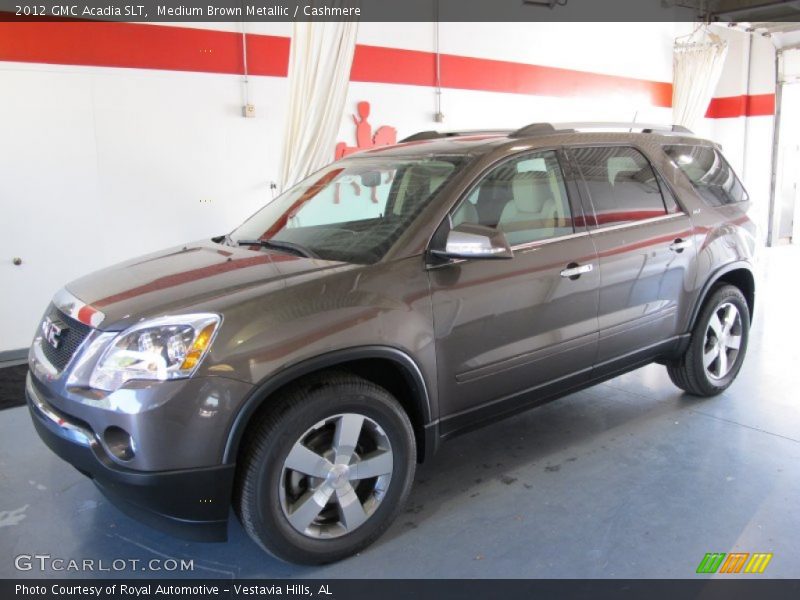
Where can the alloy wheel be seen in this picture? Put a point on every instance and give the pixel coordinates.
(722, 341)
(336, 476)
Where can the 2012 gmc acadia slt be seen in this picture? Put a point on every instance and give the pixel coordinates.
(300, 366)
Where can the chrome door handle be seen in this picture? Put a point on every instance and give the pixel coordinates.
(680, 245)
(574, 270)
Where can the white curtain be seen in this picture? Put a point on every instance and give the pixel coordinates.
(697, 65)
(319, 70)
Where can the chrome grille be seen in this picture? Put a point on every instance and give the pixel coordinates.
(72, 336)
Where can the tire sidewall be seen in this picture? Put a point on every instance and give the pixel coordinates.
(271, 522)
(725, 294)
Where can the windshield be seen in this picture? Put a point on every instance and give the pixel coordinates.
(352, 210)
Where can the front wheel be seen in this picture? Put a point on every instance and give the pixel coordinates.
(327, 470)
(717, 346)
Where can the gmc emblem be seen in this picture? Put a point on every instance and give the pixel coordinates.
(51, 331)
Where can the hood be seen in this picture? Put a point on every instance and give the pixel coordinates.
(182, 277)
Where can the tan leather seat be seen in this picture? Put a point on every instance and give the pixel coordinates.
(418, 184)
(466, 213)
(532, 206)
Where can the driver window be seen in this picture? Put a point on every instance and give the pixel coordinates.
(525, 197)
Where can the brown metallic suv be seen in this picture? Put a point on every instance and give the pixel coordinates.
(302, 365)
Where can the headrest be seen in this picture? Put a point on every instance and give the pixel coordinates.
(433, 175)
(620, 164)
(436, 180)
(625, 174)
(531, 190)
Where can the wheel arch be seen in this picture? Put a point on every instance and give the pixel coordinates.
(386, 366)
(739, 274)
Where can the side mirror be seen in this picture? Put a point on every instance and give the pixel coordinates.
(474, 241)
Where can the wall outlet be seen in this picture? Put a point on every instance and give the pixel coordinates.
(249, 111)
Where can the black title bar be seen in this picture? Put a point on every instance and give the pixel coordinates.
(419, 589)
(360, 10)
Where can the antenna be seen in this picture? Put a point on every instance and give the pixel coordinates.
(635, 114)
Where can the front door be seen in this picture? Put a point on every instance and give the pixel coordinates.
(504, 326)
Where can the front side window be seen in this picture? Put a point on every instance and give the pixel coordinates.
(621, 183)
(352, 210)
(525, 197)
(710, 174)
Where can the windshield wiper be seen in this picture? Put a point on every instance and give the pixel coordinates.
(280, 245)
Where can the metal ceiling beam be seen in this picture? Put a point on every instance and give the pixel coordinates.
(773, 27)
(755, 10)
(741, 10)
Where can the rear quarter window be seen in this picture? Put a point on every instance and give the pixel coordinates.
(709, 172)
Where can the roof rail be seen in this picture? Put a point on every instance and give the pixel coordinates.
(436, 135)
(545, 128)
(533, 129)
(681, 129)
(640, 127)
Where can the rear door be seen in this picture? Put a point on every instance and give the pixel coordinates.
(506, 326)
(645, 252)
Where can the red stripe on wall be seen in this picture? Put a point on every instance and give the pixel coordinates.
(131, 45)
(105, 44)
(393, 65)
(268, 55)
(756, 105)
(499, 76)
(414, 67)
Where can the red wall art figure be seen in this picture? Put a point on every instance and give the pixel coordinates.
(384, 136)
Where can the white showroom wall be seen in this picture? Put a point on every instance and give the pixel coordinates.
(100, 164)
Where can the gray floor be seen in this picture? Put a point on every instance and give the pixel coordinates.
(628, 479)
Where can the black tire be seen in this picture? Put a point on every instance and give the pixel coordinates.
(688, 372)
(260, 473)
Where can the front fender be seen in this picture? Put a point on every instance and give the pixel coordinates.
(264, 389)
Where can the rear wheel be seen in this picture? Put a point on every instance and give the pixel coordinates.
(717, 346)
(325, 473)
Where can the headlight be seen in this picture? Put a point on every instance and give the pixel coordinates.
(158, 349)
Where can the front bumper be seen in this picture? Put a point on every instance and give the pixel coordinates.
(189, 503)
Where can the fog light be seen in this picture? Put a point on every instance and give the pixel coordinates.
(119, 443)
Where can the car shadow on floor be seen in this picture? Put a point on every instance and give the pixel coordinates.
(541, 442)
